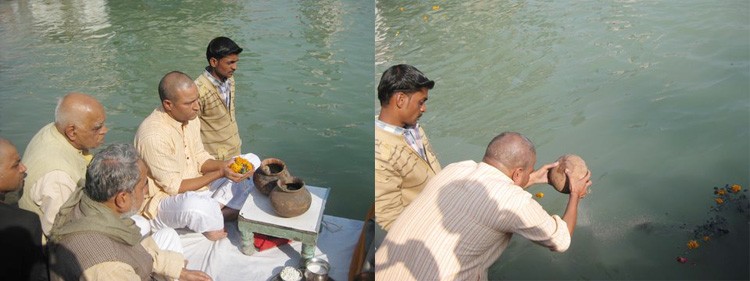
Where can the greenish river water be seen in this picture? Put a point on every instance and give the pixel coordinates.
(302, 83)
(654, 95)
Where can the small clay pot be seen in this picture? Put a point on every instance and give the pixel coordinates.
(290, 198)
(270, 171)
(572, 162)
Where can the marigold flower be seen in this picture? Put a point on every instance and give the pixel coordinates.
(539, 195)
(719, 201)
(721, 191)
(706, 238)
(736, 188)
(436, 7)
(241, 165)
(692, 244)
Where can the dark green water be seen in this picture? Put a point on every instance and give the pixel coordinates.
(304, 81)
(654, 95)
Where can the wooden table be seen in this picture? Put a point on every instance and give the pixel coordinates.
(257, 216)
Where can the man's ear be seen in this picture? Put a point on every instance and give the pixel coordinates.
(213, 62)
(167, 104)
(400, 99)
(122, 201)
(517, 175)
(70, 132)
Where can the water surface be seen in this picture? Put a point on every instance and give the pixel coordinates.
(654, 95)
(304, 77)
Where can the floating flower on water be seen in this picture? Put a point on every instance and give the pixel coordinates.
(539, 195)
(436, 7)
(719, 201)
(681, 259)
(425, 17)
(401, 9)
(706, 238)
(692, 244)
(736, 188)
(720, 191)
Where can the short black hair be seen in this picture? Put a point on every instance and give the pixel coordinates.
(401, 78)
(221, 47)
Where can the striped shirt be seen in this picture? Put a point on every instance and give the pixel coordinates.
(172, 152)
(461, 223)
(225, 88)
(411, 135)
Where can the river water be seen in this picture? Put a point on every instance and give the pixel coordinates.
(654, 95)
(303, 80)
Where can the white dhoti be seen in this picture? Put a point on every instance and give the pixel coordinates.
(200, 211)
(165, 238)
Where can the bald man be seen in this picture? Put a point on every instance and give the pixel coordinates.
(58, 154)
(464, 218)
(169, 141)
(20, 230)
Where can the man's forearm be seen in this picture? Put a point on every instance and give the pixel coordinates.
(571, 213)
(212, 165)
(199, 182)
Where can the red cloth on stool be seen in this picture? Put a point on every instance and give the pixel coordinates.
(263, 242)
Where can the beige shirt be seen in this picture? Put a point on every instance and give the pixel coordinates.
(173, 153)
(166, 264)
(461, 223)
(400, 174)
(50, 192)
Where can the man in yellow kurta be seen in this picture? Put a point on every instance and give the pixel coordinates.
(221, 137)
(57, 155)
(94, 237)
(169, 142)
(404, 159)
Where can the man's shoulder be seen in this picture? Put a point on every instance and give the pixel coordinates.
(12, 216)
(152, 124)
(204, 85)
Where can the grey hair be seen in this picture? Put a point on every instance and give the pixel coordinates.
(511, 149)
(113, 170)
(63, 117)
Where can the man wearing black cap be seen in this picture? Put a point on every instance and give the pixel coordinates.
(221, 137)
(404, 159)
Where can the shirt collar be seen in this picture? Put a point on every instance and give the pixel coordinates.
(213, 79)
(168, 119)
(390, 128)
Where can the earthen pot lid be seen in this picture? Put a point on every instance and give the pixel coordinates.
(572, 162)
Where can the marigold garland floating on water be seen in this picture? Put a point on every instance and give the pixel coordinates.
(692, 244)
(727, 198)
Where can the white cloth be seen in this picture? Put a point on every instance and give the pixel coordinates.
(200, 211)
(165, 238)
(224, 261)
(169, 240)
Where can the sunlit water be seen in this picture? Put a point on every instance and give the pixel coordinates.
(654, 95)
(303, 81)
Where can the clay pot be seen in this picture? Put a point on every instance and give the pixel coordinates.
(270, 171)
(572, 162)
(290, 197)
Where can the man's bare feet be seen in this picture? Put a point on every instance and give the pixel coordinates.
(215, 235)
